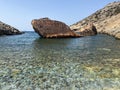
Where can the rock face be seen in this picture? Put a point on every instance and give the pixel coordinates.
(106, 20)
(8, 30)
(47, 28)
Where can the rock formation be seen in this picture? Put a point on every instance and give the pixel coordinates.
(8, 30)
(106, 20)
(47, 28)
(88, 30)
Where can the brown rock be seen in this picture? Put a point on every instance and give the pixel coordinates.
(47, 28)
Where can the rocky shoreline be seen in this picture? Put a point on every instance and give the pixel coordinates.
(106, 20)
(6, 29)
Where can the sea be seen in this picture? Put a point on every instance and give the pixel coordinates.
(29, 62)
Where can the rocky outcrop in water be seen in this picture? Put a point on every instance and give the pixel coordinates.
(8, 30)
(47, 28)
(88, 30)
(106, 20)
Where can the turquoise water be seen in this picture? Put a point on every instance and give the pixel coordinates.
(28, 62)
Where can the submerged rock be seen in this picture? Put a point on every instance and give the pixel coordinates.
(8, 30)
(47, 28)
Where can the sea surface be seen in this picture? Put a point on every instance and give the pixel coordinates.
(28, 62)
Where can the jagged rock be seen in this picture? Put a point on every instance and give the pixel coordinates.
(8, 30)
(47, 28)
(106, 20)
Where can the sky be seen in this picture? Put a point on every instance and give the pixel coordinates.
(20, 13)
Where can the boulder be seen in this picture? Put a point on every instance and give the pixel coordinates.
(88, 30)
(48, 28)
(6, 29)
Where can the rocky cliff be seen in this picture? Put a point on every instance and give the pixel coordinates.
(106, 20)
(6, 29)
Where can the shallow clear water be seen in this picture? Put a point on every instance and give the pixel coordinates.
(28, 62)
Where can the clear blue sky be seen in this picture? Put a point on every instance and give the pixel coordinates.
(19, 13)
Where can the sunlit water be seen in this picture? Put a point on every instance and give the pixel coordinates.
(28, 62)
